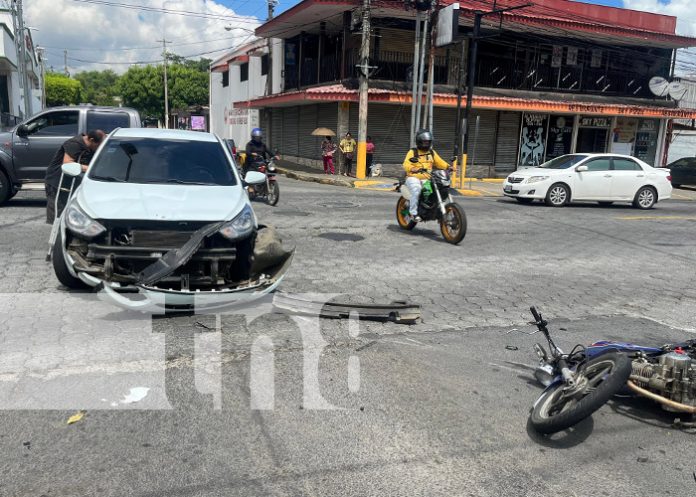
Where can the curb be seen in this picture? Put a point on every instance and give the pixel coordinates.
(314, 179)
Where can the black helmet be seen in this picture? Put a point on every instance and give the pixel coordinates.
(424, 139)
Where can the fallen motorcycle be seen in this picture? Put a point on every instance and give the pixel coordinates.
(435, 204)
(579, 383)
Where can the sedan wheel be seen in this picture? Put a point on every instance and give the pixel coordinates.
(558, 195)
(645, 198)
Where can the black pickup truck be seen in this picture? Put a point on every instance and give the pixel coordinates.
(27, 150)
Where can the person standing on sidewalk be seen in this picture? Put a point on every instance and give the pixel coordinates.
(369, 157)
(347, 147)
(328, 149)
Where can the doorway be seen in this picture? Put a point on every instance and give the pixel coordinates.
(592, 140)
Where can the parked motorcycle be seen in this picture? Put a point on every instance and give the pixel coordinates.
(579, 383)
(435, 204)
(269, 190)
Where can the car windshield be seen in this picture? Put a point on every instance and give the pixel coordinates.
(152, 160)
(564, 162)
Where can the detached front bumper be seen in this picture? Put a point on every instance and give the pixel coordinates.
(156, 300)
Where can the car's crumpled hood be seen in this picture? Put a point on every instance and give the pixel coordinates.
(149, 202)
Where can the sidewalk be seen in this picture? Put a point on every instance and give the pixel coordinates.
(471, 188)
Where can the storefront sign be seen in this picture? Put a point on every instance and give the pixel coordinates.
(557, 57)
(625, 131)
(532, 149)
(236, 116)
(595, 122)
(560, 136)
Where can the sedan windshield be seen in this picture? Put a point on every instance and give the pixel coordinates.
(564, 162)
(151, 160)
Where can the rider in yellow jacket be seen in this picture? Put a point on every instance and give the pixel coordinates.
(428, 159)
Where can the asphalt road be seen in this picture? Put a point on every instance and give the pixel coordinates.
(344, 408)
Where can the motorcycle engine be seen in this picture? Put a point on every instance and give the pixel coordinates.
(673, 377)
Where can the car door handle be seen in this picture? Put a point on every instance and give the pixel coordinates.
(607, 175)
(640, 176)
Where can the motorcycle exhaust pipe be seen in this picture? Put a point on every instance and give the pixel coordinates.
(662, 400)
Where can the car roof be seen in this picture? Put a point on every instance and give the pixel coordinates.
(91, 107)
(165, 134)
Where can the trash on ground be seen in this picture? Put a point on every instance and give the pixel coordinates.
(135, 395)
(76, 417)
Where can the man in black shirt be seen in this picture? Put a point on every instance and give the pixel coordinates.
(78, 149)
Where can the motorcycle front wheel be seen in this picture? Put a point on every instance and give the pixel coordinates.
(453, 223)
(561, 406)
(273, 193)
(403, 216)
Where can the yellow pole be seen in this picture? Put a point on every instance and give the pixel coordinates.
(362, 160)
(462, 172)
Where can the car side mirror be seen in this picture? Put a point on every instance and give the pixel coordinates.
(22, 130)
(254, 178)
(71, 169)
(414, 160)
(581, 169)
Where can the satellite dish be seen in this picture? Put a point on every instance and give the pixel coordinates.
(677, 90)
(659, 86)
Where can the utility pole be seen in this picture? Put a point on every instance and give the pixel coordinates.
(269, 74)
(23, 59)
(65, 61)
(428, 118)
(414, 79)
(166, 84)
(364, 70)
(421, 72)
(42, 67)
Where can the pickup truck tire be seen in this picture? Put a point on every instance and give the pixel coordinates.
(5, 188)
(61, 269)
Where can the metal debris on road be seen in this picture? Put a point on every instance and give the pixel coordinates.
(512, 347)
(396, 312)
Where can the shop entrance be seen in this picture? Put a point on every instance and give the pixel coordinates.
(592, 140)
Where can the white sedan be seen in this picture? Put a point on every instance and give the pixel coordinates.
(164, 214)
(604, 178)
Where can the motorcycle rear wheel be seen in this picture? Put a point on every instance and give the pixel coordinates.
(558, 408)
(273, 193)
(403, 217)
(453, 224)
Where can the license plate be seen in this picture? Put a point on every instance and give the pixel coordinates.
(508, 188)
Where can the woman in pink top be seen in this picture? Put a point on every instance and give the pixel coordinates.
(370, 149)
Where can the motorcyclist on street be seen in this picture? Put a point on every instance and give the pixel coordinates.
(427, 159)
(256, 151)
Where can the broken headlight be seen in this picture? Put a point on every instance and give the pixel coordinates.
(241, 226)
(80, 223)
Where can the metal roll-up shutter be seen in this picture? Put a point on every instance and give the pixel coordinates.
(309, 146)
(482, 148)
(389, 126)
(327, 117)
(290, 120)
(276, 141)
(507, 144)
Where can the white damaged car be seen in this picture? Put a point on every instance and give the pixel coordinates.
(603, 178)
(162, 221)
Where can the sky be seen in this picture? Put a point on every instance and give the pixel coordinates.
(100, 35)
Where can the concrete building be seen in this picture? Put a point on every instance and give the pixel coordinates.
(13, 108)
(554, 78)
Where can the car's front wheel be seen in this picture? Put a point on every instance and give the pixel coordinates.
(645, 198)
(558, 195)
(61, 268)
(5, 188)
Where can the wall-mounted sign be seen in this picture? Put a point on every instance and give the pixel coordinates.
(198, 123)
(557, 57)
(596, 60)
(595, 122)
(625, 131)
(572, 57)
(532, 141)
(560, 136)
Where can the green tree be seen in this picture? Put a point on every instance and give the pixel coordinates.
(98, 87)
(143, 87)
(62, 90)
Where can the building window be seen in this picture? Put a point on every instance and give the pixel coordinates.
(244, 72)
(226, 78)
(264, 65)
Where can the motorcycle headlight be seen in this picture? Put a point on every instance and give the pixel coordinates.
(241, 226)
(271, 168)
(80, 223)
(537, 179)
